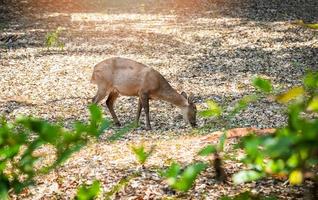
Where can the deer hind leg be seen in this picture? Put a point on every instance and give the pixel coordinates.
(144, 98)
(110, 104)
(100, 95)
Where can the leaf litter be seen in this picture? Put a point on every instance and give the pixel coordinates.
(213, 54)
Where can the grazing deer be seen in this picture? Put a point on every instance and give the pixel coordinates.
(126, 77)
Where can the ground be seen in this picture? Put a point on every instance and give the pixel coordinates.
(211, 52)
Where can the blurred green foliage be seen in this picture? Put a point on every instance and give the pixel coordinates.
(262, 84)
(211, 149)
(292, 150)
(207, 150)
(182, 180)
(21, 139)
(88, 192)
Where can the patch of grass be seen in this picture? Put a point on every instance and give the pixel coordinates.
(52, 39)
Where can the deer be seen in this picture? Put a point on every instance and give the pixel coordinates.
(121, 76)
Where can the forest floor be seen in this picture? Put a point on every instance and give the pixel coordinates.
(213, 54)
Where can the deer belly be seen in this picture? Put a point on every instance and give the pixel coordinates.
(127, 86)
(127, 91)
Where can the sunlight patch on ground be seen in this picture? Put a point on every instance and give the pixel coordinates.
(120, 17)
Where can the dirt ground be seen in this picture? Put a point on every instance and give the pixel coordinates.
(212, 51)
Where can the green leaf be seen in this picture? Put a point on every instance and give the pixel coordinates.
(222, 142)
(296, 177)
(213, 110)
(206, 113)
(91, 192)
(141, 154)
(187, 178)
(291, 94)
(311, 80)
(66, 153)
(247, 176)
(50, 133)
(96, 121)
(293, 161)
(312, 26)
(4, 187)
(34, 125)
(9, 151)
(243, 103)
(276, 166)
(209, 149)
(262, 84)
(105, 124)
(96, 113)
(313, 104)
(251, 144)
(172, 171)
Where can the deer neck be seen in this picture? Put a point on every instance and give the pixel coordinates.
(172, 96)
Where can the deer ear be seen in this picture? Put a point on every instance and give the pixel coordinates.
(184, 95)
(191, 98)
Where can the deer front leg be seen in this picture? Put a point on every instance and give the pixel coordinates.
(110, 104)
(101, 93)
(138, 111)
(145, 104)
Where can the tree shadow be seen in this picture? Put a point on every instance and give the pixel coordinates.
(92, 37)
(270, 11)
(285, 64)
(10, 106)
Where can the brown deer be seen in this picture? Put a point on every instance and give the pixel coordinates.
(126, 77)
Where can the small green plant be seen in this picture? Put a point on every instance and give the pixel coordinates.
(183, 180)
(88, 192)
(262, 85)
(214, 110)
(224, 115)
(141, 154)
(217, 163)
(306, 25)
(52, 39)
(211, 149)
